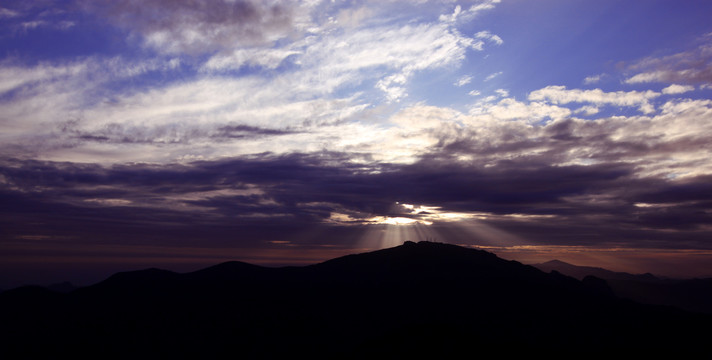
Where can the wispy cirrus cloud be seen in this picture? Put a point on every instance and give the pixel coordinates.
(493, 75)
(486, 36)
(468, 13)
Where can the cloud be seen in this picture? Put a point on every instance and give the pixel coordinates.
(511, 109)
(8, 13)
(21, 18)
(352, 18)
(488, 36)
(264, 58)
(305, 89)
(677, 89)
(688, 67)
(561, 95)
(460, 15)
(252, 156)
(399, 51)
(464, 80)
(587, 110)
(593, 79)
(192, 27)
(502, 92)
(55, 112)
(212, 200)
(14, 77)
(493, 75)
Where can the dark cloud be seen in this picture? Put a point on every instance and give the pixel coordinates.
(277, 209)
(246, 131)
(174, 133)
(212, 201)
(199, 26)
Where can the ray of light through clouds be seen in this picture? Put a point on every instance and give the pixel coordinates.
(182, 133)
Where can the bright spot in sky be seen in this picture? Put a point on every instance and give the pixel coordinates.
(402, 215)
(417, 214)
(396, 220)
(413, 222)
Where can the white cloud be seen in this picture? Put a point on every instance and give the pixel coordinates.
(464, 80)
(395, 52)
(654, 76)
(460, 15)
(452, 17)
(561, 95)
(266, 58)
(474, 93)
(351, 18)
(677, 89)
(58, 112)
(15, 76)
(587, 110)
(509, 109)
(672, 142)
(486, 35)
(593, 79)
(493, 75)
(479, 7)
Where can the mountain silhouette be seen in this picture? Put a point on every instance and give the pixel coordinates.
(581, 272)
(414, 300)
(688, 294)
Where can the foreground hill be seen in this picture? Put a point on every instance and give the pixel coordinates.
(688, 294)
(424, 299)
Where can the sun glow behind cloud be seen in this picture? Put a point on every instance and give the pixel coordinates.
(426, 223)
(404, 214)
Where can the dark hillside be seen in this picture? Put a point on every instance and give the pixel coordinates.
(415, 299)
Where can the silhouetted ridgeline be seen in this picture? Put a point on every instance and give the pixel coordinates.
(424, 299)
(688, 294)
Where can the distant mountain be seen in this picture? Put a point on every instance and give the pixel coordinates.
(415, 300)
(688, 294)
(581, 272)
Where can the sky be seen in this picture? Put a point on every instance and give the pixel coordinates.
(179, 134)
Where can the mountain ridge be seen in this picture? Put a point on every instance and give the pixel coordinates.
(417, 298)
(688, 294)
(580, 272)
